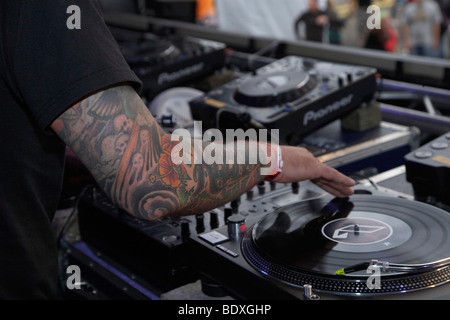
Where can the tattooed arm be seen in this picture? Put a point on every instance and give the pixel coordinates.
(115, 136)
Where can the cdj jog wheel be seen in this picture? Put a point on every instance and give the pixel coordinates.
(331, 244)
(275, 88)
(149, 52)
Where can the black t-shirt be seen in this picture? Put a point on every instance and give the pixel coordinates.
(45, 67)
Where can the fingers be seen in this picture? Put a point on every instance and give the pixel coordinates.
(335, 182)
(336, 189)
(332, 174)
(300, 165)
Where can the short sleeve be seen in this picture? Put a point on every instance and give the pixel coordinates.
(50, 65)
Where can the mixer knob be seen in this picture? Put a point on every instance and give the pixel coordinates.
(214, 220)
(200, 223)
(273, 185)
(185, 231)
(227, 213)
(295, 187)
(235, 205)
(261, 187)
(250, 194)
(349, 78)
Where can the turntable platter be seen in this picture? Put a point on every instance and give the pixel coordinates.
(307, 242)
(274, 88)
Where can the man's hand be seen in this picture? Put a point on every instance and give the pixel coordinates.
(299, 165)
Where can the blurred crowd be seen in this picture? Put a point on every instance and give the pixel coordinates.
(417, 27)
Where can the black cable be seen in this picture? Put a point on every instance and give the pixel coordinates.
(71, 216)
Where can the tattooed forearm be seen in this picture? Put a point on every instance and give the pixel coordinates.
(114, 135)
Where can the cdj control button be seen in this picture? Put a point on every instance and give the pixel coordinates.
(423, 154)
(439, 145)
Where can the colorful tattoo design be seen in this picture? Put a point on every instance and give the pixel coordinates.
(129, 155)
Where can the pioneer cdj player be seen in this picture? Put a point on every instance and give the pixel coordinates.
(163, 62)
(294, 95)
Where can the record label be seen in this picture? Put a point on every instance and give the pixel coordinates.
(357, 231)
(372, 231)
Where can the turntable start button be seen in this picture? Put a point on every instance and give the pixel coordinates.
(227, 251)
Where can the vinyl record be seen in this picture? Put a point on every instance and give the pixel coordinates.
(308, 242)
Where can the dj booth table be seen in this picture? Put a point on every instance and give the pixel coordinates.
(111, 270)
(121, 257)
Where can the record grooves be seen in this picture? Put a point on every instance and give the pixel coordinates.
(291, 244)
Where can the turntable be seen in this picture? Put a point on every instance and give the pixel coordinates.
(293, 94)
(369, 246)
